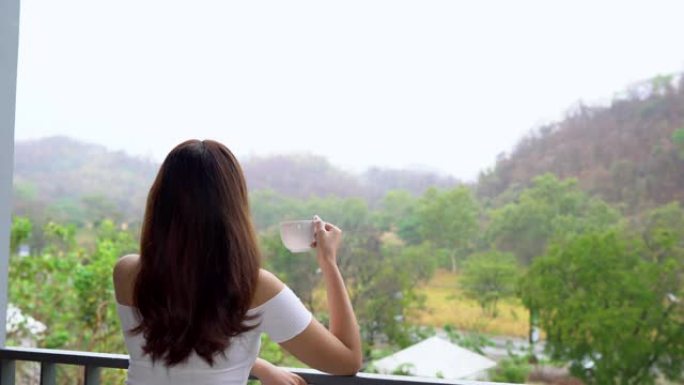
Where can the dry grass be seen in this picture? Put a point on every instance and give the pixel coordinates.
(445, 304)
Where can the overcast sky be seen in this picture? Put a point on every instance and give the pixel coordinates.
(443, 85)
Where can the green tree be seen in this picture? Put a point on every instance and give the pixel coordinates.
(678, 140)
(548, 209)
(60, 239)
(382, 280)
(449, 219)
(350, 214)
(69, 289)
(269, 208)
(605, 306)
(398, 215)
(513, 369)
(19, 233)
(663, 232)
(419, 261)
(489, 277)
(98, 207)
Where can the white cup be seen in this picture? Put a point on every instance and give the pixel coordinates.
(297, 236)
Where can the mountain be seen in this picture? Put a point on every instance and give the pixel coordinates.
(62, 179)
(379, 181)
(630, 152)
(299, 176)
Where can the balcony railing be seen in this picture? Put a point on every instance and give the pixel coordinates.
(93, 362)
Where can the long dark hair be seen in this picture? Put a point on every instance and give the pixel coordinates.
(199, 259)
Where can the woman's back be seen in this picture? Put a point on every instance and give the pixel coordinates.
(277, 311)
(232, 368)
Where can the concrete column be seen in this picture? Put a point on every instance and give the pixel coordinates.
(9, 44)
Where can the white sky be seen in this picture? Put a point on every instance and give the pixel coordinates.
(445, 85)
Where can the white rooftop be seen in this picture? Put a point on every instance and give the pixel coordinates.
(435, 356)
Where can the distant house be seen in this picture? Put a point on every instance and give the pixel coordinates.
(24, 250)
(437, 357)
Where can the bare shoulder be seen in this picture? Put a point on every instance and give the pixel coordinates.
(125, 266)
(268, 286)
(124, 274)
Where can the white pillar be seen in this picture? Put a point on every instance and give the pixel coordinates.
(9, 44)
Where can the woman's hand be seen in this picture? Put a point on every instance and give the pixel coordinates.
(278, 376)
(269, 374)
(327, 239)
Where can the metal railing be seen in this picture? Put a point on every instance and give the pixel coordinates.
(49, 358)
(93, 362)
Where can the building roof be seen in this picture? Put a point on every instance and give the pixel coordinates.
(435, 357)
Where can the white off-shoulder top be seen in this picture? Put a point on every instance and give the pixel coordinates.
(281, 318)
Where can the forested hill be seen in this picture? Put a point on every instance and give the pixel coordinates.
(65, 180)
(302, 176)
(630, 152)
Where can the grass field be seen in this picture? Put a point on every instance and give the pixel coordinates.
(445, 304)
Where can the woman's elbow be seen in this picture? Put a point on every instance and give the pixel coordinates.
(355, 368)
(348, 367)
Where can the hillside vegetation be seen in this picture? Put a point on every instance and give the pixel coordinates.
(630, 153)
(66, 180)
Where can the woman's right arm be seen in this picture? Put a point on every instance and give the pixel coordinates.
(338, 350)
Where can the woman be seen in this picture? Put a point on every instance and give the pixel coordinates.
(194, 303)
